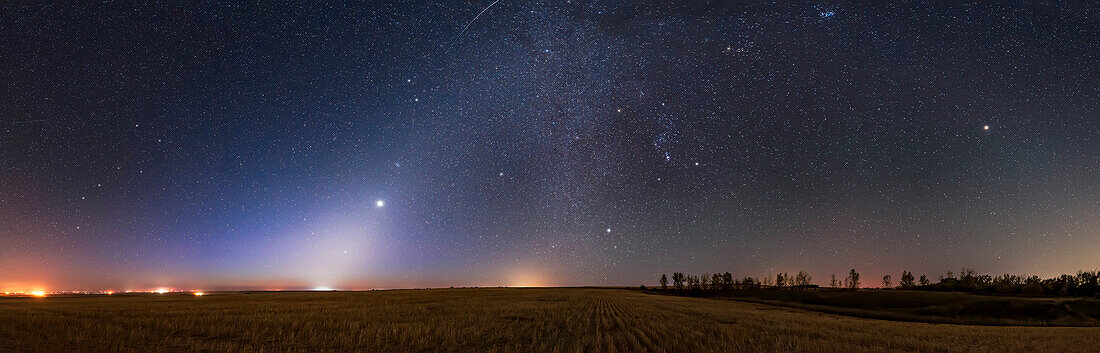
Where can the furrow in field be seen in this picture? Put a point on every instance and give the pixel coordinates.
(620, 329)
(646, 324)
(586, 329)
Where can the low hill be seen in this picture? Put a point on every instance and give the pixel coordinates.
(934, 307)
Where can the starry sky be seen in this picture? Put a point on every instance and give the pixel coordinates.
(385, 144)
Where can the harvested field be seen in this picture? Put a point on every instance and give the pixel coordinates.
(484, 320)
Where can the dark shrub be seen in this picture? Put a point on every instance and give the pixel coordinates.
(1032, 288)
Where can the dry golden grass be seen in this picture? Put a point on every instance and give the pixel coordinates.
(484, 320)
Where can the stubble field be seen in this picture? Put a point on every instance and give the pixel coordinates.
(484, 320)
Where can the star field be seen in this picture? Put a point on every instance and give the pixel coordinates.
(378, 144)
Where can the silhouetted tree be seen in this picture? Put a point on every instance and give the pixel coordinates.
(704, 282)
(802, 279)
(969, 280)
(834, 283)
(924, 281)
(886, 282)
(1032, 288)
(781, 280)
(749, 283)
(716, 281)
(727, 281)
(907, 280)
(1088, 283)
(1006, 283)
(664, 282)
(678, 280)
(694, 288)
(852, 282)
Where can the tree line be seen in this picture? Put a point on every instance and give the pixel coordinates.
(726, 281)
(1084, 283)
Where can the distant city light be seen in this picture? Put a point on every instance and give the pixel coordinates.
(161, 290)
(199, 294)
(38, 293)
(324, 289)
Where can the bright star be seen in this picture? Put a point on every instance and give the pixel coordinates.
(379, 203)
(985, 127)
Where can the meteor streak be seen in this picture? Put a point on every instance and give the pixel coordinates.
(472, 21)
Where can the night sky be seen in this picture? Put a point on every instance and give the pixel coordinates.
(379, 144)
